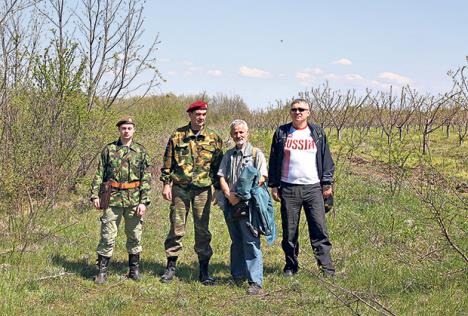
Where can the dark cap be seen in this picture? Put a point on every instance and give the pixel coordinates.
(125, 120)
(197, 105)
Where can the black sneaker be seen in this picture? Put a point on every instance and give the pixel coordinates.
(328, 273)
(288, 273)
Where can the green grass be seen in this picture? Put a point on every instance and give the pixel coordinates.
(383, 249)
(387, 246)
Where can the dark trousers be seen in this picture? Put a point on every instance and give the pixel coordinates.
(293, 198)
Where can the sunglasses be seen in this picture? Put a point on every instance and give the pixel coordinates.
(298, 110)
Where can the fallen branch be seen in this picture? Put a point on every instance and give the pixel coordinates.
(54, 276)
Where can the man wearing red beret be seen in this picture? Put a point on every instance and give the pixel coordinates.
(191, 161)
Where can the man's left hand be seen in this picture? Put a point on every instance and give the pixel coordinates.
(327, 192)
(214, 197)
(141, 209)
(233, 199)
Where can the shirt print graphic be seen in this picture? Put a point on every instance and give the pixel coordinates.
(299, 144)
(299, 160)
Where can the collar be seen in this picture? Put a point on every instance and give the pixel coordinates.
(245, 150)
(189, 135)
(120, 144)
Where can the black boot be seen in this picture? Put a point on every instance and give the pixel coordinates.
(134, 265)
(169, 274)
(102, 263)
(204, 277)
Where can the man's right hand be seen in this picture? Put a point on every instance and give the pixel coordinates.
(275, 194)
(96, 203)
(167, 192)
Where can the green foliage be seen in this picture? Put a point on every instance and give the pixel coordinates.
(388, 244)
(385, 248)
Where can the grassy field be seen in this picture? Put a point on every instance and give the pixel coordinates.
(390, 253)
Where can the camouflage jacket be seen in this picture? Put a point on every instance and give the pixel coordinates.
(192, 159)
(123, 164)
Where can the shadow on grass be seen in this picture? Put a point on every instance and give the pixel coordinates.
(88, 270)
(187, 273)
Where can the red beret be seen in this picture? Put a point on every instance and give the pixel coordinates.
(197, 105)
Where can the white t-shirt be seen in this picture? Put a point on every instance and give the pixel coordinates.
(299, 160)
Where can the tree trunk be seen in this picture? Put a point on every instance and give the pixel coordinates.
(425, 144)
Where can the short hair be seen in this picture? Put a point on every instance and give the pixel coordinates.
(300, 101)
(237, 123)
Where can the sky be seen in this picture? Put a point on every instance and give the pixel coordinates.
(271, 50)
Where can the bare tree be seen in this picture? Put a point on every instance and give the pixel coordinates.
(116, 57)
(461, 120)
(433, 112)
(19, 37)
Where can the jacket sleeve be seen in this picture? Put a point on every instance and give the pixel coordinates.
(274, 174)
(328, 167)
(145, 180)
(216, 162)
(167, 163)
(99, 175)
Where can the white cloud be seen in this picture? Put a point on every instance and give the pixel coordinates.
(317, 76)
(254, 72)
(343, 61)
(164, 60)
(353, 77)
(215, 72)
(191, 70)
(391, 77)
(194, 68)
(172, 73)
(331, 76)
(308, 75)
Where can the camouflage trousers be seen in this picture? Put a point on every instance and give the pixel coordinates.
(199, 199)
(110, 222)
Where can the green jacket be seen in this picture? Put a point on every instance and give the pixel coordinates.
(192, 159)
(124, 164)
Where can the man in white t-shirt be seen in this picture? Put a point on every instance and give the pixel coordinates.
(301, 176)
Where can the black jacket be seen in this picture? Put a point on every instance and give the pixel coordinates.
(325, 165)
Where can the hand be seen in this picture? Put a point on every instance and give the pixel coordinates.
(233, 199)
(327, 192)
(275, 194)
(167, 192)
(141, 209)
(96, 203)
(261, 181)
(214, 197)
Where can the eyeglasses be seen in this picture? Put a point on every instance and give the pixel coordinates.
(295, 110)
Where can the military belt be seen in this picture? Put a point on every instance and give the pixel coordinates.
(125, 185)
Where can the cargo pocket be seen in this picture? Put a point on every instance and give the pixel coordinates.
(182, 154)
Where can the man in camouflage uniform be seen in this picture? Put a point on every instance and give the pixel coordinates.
(190, 164)
(125, 164)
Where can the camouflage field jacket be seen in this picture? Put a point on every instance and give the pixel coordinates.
(192, 159)
(123, 164)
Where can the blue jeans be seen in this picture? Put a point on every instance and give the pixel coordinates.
(246, 255)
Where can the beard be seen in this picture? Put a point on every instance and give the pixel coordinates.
(241, 142)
